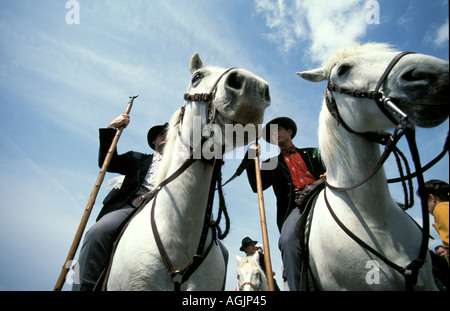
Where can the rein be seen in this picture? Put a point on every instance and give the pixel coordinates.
(186, 271)
(427, 166)
(403, 127)
(251, 284)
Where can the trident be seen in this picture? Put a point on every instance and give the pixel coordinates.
(262, 214)
(91, 202)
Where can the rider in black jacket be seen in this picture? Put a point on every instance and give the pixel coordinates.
(281, 180)
(295, 169)
(139, 170)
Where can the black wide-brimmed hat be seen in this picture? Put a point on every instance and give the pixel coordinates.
(154, 132)
(286, 122)
(246, 242)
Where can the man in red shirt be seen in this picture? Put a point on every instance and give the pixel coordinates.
(296, 168)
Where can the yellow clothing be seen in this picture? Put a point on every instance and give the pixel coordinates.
(440, 214)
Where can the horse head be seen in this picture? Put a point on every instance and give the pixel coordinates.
(250, 275)
(240, 96)
(233, 96)
(180, 208)
(417, 84)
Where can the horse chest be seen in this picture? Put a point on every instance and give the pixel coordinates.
(352, 267)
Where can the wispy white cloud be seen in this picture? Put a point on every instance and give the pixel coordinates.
(441, 35)
(407, 17)
(9, 145)
(324, 25)
(286, 25)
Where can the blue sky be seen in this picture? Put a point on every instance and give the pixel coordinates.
(60, 82)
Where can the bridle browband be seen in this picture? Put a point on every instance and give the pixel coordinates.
(402, 127)
(207, 97)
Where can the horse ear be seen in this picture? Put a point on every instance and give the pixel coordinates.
(196, 63)
(315, 75)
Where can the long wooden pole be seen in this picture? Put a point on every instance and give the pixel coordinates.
(90, 204)
(262, 212)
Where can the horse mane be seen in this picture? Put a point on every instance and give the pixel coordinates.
(353, 50)
(171, 137)
(252, 261)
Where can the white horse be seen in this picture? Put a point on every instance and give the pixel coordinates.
(418, 85)
(240, 97)
(250, 275)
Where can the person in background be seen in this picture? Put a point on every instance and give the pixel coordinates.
(440, 250)
(440, 267)
(437, 193)
(250, 247)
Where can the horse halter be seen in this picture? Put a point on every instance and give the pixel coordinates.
(211, 108)
(390, 110)
(258, 289)
(252, 285)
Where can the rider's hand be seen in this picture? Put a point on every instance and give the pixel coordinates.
(122, 120)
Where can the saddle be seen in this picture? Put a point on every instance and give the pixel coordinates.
(307, 198)
(306, 201)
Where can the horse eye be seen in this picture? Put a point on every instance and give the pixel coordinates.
(343, 69)
(197, 77)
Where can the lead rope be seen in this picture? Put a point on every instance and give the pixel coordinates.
(409, 200)
(222, 211)
(200, 255)
(427, 166)
(411, 271)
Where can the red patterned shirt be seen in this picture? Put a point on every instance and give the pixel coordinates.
(299, 171)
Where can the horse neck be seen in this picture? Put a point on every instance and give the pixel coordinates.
(182, 203)
(191, 187)
(349, 159)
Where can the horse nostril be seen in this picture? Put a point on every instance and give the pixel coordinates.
(239, 82)
(235, 80)
(415, 75)
(266, 94)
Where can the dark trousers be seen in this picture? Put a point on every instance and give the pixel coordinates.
(291, 252)
(96, 248)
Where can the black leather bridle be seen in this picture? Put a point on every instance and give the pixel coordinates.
(207, 97)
